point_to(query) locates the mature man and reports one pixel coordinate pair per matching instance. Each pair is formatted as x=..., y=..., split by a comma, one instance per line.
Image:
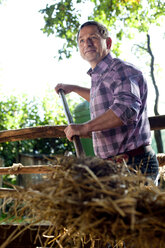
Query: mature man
x=118, y=95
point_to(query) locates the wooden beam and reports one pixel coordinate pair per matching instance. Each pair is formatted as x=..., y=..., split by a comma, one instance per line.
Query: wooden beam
x=32, y=133
x=157, y=122
x=7, y=192
x=32, y=169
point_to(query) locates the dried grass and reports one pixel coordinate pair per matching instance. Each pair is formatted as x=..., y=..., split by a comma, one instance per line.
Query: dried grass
x=90, y=202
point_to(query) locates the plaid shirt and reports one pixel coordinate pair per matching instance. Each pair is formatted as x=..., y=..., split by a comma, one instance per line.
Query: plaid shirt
x=119, y=86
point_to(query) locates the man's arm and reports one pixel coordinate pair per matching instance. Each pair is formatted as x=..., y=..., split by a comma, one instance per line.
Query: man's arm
x=105, y=121
x=68, y=88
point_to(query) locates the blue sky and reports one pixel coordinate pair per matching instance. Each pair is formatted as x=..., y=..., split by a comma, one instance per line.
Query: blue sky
x=27, y=62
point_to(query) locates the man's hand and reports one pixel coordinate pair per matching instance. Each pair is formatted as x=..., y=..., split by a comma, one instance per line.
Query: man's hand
x=76, y=129
x=105, y=121
x=67, y=88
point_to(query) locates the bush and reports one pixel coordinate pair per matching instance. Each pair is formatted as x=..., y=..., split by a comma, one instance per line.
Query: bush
x=20, y=111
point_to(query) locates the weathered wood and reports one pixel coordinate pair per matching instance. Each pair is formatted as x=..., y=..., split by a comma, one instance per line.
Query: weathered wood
x=157, y=122
x=32, y=133
x=32, y=169
x=7, y=192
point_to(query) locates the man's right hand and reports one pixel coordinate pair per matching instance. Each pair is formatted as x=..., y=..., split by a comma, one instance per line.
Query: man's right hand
x=67, y=88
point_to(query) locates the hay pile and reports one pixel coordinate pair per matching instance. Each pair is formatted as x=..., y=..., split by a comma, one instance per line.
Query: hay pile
x=91, y=202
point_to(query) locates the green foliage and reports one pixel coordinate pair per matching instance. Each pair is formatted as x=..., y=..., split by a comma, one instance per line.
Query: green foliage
x=62, y=19
x=21, y=112
x=122, y=17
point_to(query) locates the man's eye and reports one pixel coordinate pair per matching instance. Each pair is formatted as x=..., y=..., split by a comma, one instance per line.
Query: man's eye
x=93, y=37
x=81, y=41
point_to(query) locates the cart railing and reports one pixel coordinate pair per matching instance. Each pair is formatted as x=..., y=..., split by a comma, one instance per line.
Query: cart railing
x=156, y=123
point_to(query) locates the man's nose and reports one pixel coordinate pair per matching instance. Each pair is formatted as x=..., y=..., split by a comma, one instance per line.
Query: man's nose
x=89, y=42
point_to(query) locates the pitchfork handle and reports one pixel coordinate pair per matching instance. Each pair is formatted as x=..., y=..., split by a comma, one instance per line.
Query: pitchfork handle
x=76, y=139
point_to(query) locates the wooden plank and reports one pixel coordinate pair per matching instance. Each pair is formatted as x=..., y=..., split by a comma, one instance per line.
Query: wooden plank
x=7, y=192
x=32, y=169
x=157, y=122
x=32, y=133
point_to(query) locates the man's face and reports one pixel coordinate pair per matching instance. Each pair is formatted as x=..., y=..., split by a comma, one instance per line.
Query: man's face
x=92, y=46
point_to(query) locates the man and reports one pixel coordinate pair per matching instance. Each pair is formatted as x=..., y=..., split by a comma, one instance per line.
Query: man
x=118, y=95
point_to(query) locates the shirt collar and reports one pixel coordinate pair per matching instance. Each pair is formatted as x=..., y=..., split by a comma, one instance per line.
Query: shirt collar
x=101, y=66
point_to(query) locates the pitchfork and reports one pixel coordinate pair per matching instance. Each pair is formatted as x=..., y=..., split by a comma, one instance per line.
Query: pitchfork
x=76, y=140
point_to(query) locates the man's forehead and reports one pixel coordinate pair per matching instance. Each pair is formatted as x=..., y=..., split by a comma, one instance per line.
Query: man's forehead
x=88, y=30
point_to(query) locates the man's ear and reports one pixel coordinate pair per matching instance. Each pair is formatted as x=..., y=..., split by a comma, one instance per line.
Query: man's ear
x=109, y=42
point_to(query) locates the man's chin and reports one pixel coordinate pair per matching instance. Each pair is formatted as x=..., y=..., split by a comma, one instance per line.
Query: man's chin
x=91, y=57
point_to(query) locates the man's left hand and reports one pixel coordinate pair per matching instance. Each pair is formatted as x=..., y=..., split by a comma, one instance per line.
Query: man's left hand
x=75, y=129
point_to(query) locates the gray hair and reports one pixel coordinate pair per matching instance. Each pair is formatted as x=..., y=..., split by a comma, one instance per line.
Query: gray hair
x=103, y=31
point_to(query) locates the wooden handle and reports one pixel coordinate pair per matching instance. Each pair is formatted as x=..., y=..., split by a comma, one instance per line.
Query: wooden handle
x=65, y=106
x=76, y=140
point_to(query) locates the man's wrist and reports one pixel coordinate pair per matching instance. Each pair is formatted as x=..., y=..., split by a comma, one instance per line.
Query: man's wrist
x=88, y=127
